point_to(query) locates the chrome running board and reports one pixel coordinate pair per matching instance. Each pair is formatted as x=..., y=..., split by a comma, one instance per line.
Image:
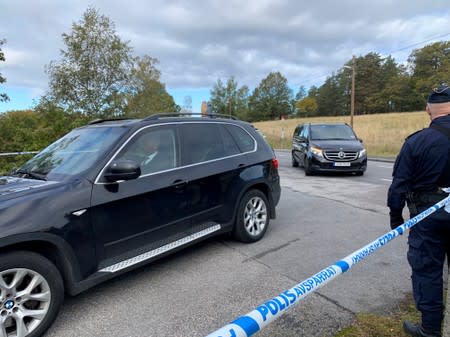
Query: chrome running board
x=160, y=250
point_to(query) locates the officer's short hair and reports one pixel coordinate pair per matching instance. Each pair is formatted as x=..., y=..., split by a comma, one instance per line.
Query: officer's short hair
x=440, y=94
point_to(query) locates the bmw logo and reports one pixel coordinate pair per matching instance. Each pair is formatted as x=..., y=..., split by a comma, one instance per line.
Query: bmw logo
x=9, y=304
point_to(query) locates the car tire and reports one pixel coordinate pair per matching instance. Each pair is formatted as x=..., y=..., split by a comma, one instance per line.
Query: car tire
x=30, y=283
x=252, y=217
x=294, y=162
x=307, y=167
x=359, y=173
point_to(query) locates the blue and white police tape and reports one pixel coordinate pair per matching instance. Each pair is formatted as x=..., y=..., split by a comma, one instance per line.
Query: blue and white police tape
x=6, y=154
x=267, y=312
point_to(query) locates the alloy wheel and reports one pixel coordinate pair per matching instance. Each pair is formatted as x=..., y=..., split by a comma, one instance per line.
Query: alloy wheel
x=255, y=216
x=24, y=301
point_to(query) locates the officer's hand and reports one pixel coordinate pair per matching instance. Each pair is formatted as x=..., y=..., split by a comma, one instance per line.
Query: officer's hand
x=396, y=218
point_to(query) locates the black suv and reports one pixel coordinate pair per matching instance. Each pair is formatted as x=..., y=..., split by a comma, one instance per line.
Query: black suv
x=328, y=147
x=116, y=194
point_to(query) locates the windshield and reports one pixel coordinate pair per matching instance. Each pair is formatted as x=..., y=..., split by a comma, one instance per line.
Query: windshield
x=331, y=132
x=71, y=154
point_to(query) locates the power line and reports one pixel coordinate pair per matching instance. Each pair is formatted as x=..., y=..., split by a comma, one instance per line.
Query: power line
x=316, y=77
x=418, y=43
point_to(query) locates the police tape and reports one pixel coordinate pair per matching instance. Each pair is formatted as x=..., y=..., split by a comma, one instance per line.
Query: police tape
x=267, y=312
x=8, y=154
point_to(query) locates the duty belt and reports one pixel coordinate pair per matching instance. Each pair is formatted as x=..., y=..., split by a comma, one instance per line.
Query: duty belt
x=426, y=198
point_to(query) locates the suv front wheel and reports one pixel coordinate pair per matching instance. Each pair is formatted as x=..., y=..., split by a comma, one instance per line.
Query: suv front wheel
x=31, y=293
x=252, y=217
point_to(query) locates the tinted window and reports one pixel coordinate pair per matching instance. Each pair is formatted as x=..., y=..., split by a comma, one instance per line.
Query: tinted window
x=305, y=132
x=202, y=142
x=230, y=145
x=153, y=148
x=245, y=142
x=298, y=131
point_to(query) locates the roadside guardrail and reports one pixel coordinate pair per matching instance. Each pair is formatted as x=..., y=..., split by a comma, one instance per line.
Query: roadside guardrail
x=255, y=320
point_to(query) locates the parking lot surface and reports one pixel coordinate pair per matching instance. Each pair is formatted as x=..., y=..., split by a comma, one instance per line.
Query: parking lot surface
x=194, y=292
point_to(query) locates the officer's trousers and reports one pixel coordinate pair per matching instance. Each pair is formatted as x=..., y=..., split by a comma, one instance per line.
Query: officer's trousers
x=429, y=242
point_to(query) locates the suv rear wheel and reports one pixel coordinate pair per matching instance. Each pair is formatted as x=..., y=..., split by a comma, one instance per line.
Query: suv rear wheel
x=31, y=293
x=252, y=217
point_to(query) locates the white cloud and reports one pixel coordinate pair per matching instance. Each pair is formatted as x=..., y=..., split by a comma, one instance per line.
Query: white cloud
x=199, y=41
x=16, y=58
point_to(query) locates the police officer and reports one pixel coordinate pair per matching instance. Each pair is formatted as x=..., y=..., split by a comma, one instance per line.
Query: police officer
x=421, y=169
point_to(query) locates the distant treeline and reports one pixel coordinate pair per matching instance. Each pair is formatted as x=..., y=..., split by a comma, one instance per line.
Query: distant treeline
x=381, y=85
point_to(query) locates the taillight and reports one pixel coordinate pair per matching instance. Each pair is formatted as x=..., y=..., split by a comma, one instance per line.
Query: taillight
x=275, y=163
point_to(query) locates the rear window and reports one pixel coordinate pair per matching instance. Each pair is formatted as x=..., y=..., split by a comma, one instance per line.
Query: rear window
x=202, y=142
x=245, y=142
x=208, y=141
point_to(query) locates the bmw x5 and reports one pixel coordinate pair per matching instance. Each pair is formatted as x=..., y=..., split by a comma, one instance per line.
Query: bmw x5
x=96, y=203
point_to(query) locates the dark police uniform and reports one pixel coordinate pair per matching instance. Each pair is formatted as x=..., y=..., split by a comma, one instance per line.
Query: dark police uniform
x=421, y=168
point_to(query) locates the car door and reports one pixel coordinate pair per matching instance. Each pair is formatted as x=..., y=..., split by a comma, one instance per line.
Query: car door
x=214, y=161
x=298, y=144
x=139, y=215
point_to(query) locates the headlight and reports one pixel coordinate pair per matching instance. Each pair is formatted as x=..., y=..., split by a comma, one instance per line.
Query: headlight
x=316, y=151
x=362, y=153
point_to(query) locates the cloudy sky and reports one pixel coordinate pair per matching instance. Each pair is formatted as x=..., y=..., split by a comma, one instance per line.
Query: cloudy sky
x=199, y=41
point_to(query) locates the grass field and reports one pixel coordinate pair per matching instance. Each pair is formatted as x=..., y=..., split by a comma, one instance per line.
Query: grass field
x=382, y=134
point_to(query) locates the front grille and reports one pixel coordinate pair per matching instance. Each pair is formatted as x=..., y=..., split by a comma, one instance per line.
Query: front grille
x=340, y=155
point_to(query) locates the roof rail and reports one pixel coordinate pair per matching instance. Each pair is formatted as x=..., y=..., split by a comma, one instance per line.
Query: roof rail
x=187, y=114
x=99, y=120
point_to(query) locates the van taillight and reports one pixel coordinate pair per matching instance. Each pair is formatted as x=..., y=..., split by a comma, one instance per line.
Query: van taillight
x=275, y=163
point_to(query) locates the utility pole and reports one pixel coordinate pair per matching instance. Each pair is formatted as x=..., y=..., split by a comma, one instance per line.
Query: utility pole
x=352, y=104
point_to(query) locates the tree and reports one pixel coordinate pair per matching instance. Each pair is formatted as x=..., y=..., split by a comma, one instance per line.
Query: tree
x=147, y=94
x=92, y=77
x=272, y=99
x=328, y=95
x=3, y=97
x=313, y=92
x=430, y=67
x=306, y=107
x=375, y=77
x=301, y=93
x=229, y=99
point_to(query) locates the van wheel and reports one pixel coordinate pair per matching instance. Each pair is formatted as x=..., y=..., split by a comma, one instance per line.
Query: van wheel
x=31, y=294
x=294, y=162
x=307, y=168
x=252, y=217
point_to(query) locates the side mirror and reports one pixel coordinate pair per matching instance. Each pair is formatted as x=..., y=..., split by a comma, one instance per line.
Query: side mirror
x=360, y=140
x=122, y=170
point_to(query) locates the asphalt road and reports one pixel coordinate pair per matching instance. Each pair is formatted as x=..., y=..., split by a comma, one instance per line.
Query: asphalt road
x=321, y=219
